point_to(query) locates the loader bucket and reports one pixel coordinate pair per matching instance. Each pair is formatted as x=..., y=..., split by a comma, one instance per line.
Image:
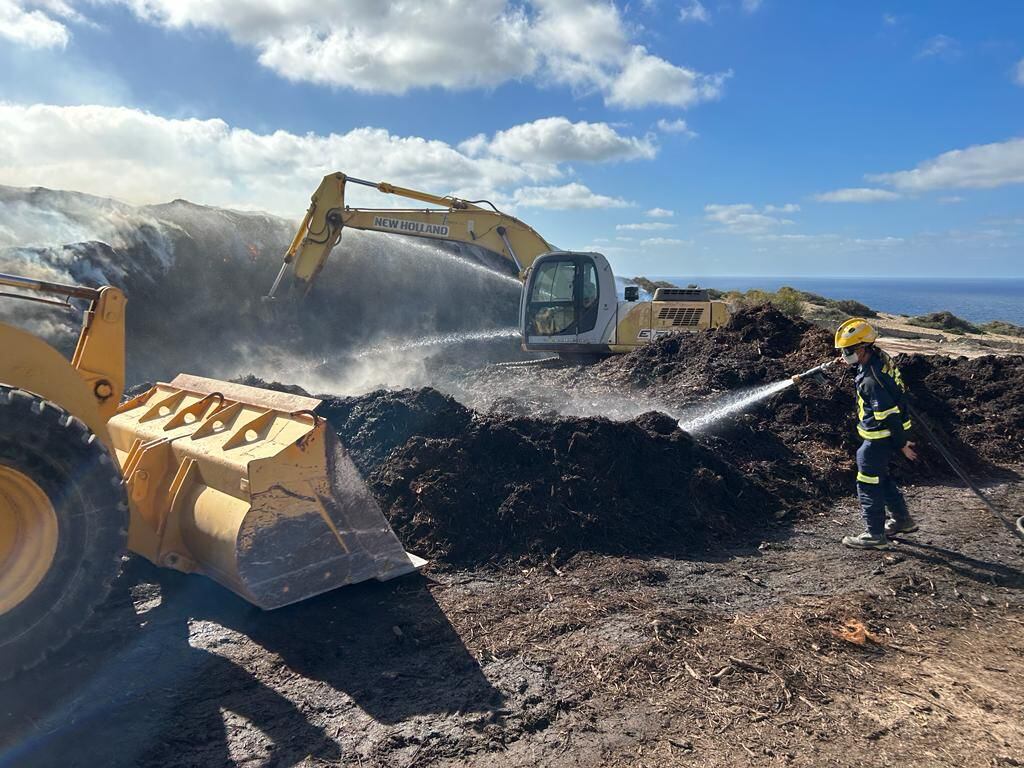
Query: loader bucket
x=251, y=488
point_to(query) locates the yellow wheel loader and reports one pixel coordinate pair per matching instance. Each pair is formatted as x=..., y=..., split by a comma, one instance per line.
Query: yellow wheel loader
x=570, y=303
x=246, y=486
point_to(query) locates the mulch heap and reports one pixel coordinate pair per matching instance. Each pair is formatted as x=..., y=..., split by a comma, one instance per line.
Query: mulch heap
x=757, y=345
x=531, y=489
x=468, y=488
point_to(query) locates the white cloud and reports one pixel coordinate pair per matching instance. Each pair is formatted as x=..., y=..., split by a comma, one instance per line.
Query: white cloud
x=695, y=11
x=951, y=199
x=940, y=47
x=751, y=6
x=381, y=47
x=857, y=195
x=660, y=213
x=25, y=23
x=647, y=226
x=655, y=242
x=979, y=166
x=647, y=79
x=567, y=196
x=675, y=126
x=556, y=140
x=1018, y=73
x=889, y=19
x=745, y=219
x=144, y=158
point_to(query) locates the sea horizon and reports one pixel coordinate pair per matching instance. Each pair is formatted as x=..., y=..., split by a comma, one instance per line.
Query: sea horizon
x=977, y=299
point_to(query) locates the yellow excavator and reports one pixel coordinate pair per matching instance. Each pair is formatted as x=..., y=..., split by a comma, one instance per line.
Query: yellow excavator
x=570, y=303
x=246, y=486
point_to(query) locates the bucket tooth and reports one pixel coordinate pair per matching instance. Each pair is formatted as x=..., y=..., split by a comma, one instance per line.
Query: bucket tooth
x=251, y=488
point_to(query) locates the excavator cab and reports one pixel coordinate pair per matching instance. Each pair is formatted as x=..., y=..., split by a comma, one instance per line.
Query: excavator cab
x=569, y=300
x=571, y=306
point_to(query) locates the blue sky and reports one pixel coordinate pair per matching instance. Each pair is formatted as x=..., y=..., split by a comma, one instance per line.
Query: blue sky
x=785, y=137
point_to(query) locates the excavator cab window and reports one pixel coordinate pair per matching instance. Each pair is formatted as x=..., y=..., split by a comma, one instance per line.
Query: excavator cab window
x=588, y=298
x=552, y=308
x=563, y=297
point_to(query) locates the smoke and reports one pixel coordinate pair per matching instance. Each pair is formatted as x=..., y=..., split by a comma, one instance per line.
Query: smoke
x=195, y=277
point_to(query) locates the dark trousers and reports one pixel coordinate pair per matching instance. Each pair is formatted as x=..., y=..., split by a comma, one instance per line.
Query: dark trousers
x=875, y=487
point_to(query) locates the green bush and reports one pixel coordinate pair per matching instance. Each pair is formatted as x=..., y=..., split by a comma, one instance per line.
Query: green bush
x=854, y=308
x=1001, y=326
x=787, y=300
x=944, y=321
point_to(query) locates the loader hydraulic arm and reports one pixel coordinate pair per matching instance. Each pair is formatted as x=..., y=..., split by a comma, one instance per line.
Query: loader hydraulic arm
x=511, y=240
x=99, y=355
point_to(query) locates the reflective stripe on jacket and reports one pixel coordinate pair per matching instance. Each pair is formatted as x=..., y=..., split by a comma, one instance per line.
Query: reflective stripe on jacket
x=881, y=400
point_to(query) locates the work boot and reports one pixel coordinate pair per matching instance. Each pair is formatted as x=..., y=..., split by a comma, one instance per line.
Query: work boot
x=903, y=525
x=866, y=541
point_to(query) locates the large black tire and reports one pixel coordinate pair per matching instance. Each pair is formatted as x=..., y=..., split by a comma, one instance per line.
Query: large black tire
x=82, y=482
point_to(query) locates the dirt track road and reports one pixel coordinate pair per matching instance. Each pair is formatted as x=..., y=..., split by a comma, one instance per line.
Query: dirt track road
x=728, y=658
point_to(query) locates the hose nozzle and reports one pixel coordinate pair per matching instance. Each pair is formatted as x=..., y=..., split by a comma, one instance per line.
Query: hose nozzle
x=815, y=372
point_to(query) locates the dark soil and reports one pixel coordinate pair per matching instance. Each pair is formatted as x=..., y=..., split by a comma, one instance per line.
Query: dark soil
x=520, y=487
x=371, y=426
x=979, y=401
x=758, y=345
x=747, y=655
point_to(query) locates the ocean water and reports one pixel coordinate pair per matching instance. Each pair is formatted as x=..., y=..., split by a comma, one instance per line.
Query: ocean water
x=976, y=299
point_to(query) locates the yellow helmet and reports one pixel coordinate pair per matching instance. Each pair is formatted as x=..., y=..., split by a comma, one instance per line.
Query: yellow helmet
x=853, y=332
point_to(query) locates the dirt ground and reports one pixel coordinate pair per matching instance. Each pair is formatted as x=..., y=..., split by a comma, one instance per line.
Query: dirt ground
x=784, y=649
x=602, y=591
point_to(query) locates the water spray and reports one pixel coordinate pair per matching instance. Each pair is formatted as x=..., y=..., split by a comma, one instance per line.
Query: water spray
x=700, y=418
x=439, y=340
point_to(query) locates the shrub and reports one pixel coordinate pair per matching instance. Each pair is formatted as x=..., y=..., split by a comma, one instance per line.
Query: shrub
x=944, y=321
x=854, y=308
x=1003, y=327
x=787, y=300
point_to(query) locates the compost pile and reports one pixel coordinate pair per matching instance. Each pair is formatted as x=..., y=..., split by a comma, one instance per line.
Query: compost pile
x=535, y=489
x=468, y=487
x=977, y=402
x=756, y=346
x=372, y=425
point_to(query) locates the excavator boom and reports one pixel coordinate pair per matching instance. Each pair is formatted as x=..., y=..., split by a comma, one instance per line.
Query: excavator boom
x=513, y=243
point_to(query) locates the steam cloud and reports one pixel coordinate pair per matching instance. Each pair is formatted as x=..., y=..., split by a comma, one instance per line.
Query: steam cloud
x=195, y=277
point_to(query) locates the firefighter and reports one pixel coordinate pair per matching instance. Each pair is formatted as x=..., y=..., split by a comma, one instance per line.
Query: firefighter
x=884, y=424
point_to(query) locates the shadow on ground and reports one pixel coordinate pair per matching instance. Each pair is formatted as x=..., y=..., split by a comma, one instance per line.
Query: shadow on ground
x=160, y=687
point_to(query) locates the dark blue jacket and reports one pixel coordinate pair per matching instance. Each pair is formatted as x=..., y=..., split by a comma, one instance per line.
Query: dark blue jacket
x=882, y=401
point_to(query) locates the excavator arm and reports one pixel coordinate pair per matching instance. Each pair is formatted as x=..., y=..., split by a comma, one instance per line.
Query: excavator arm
x=512, y=241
